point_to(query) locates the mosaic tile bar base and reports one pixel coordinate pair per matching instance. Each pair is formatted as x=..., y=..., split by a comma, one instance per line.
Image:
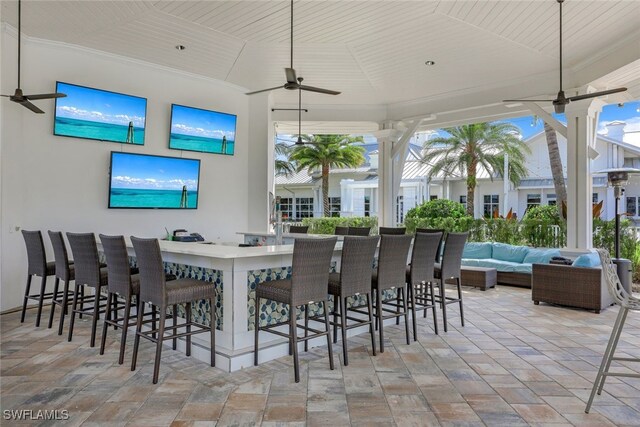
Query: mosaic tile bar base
x=271, y=312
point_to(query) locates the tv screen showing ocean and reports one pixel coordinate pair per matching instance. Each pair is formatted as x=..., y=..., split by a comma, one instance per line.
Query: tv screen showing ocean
x=65, y=126
x=202, y=144
x=143, y=198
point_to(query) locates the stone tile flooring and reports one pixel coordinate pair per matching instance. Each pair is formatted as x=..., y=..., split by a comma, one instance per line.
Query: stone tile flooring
x=512, y=364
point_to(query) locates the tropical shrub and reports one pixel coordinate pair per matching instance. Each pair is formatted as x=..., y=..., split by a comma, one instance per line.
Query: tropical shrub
x=543, y=213
x=438, y=208
x=327, y=225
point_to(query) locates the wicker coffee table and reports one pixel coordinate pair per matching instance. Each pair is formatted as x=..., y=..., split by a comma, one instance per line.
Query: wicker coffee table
x=480, y=277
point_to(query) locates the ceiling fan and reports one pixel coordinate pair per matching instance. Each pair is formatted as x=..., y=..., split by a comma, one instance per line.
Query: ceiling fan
x=18, y=97
x=561, y=100
x=293, y=82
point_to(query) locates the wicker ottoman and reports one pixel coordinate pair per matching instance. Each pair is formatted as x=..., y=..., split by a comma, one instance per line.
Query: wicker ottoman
x=480, y=277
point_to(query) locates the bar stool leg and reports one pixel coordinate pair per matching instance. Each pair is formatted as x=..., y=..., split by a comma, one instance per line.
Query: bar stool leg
x=64, y=307
x=371, y=321
x=96, y=315
x=343, y=324
x=412, y=299
x=74, y=307
x=175, y=323
x=212, y=326
x=398, y=304
x=125, y=328
x=443, y=303
x=156, y=365
x=406, y=313
x=325, y=306
x=187, y=310
x=335, y=318
x=460, y=302
x=56, y=285
x=293, y=331
x=433, y=307
x=306, y=327
x=43, y=287
x=256, y=330
x=607, y=356
x=136, y=341
x=26, y=298
x=380, y=322
x=105, y=325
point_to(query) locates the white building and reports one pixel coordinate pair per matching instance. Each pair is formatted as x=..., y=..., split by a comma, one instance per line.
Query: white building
x=354, y=192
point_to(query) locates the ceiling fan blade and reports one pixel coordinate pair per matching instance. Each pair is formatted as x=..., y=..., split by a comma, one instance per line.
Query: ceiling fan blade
x=595, y=94
x=319, y=90
x=263, y=90
x=6, y=96
x=291, y=75
x=528, y=100
x=46, y=96
x=30, y=106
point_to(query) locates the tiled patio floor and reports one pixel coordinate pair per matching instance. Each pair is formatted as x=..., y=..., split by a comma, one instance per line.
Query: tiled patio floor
x=513, y=364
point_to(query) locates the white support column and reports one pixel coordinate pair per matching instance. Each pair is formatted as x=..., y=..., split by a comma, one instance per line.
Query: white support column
x=386, y=201
x=346, y=197
x=505, y=186
x=261, y=161
x=582, y=123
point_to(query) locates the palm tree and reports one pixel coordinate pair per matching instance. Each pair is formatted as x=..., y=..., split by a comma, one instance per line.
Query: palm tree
x=326, y=152
x=556, y=168
x=283, y=165
x=477, y=145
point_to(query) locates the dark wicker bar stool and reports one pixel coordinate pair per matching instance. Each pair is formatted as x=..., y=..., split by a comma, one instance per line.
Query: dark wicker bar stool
x=155, y=290
x=391, y=230
x=309, y=284
x=359, y=231
x=420, y=276
x=37, y=266
x=65, y=271
x=87, y=272
x=391, y=274
x=450, y=271
x=353, y=280
x=443, y=234
x=124, y=285
x=341, y=231
x=302, y=229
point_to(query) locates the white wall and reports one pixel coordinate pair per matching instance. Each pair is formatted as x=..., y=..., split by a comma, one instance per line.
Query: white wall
x=52, y=182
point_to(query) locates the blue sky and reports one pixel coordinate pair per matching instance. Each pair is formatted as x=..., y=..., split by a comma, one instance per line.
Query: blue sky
x=203, y=123
x=153, y=173
x=99, y=106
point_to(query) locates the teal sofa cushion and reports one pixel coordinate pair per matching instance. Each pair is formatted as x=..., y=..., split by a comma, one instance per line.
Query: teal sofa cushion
x=477, y=250
x=471, y=262
x=540, y=256
x=505, y=252
x=587, y=260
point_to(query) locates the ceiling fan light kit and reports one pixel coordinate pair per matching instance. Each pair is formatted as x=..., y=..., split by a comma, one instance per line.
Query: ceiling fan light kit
x=18, y=97
x=562, y=100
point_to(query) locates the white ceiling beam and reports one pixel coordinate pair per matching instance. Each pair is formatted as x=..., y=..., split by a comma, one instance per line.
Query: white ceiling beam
x=540, y=112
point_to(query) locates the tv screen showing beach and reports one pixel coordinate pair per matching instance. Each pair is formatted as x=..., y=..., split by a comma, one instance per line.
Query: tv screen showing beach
x=99, y=114
x=153, y=182
x=205, y=131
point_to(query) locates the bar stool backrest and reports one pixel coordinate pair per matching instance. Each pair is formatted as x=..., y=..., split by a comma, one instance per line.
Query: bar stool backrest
x=392, y=260
x=425, y=246
x=452, y=257
x=304, y=229
x=356, y=264
x=85, y=258
x=36, y=256
x=359, y=231
x=442, y=232
x=152, y=277
x=616, y=290
x=341, y=231
x=310, y=269
x=63, y=271
x=115, y=251
x=392, y=230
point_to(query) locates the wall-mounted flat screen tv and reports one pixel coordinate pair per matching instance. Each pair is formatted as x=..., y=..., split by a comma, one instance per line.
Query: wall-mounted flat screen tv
x=194, y=129
x=99, y=114
x=140, y=181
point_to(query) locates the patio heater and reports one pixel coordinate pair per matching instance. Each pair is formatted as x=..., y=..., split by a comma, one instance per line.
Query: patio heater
x=618, y=178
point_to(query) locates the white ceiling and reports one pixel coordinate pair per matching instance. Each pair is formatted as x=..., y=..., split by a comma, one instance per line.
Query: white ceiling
x=372, y=51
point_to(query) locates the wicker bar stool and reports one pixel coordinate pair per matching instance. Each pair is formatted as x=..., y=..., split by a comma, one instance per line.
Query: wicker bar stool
x=302, y=229
x=420, y=276
x=309, y=284
x=65, y=271
x=124, y=285
x=443, y=234
x=341, y=231
x=87, y=272
x=450, y=271
x=391, y=230
x=391, y=274
x=626, y=302
x=353, y=280
x=359, y=231
x=155, y=290
x=37, y=266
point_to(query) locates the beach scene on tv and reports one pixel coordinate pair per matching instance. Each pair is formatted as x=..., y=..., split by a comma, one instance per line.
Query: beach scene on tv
x=206, y=131
x=141, y=181
x=98, y=114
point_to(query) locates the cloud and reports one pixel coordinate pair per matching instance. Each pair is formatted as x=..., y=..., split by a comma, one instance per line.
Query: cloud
x=97, y=116
x=205, y=133
x=123, y=181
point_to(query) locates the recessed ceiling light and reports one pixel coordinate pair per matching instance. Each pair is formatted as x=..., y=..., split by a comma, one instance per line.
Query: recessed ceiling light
x=430, y=63
x=181, y=47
